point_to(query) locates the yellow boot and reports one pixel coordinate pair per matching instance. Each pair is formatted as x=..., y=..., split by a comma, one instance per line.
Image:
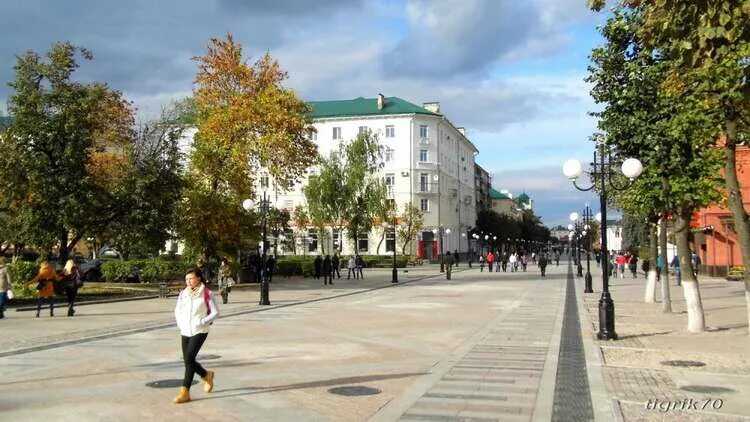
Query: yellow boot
x=183, y=397
x=208, y=381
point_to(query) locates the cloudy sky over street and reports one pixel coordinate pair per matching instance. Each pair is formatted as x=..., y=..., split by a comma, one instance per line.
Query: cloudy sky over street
x=510, y=71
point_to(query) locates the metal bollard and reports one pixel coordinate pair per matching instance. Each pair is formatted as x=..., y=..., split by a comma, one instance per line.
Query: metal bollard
x=163, y=290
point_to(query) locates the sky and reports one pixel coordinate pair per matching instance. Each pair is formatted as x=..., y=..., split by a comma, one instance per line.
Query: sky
x=510, y=71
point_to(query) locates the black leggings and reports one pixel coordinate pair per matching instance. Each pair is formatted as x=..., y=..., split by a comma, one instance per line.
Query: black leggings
x=50, y=300
x=71, y=293
x=190, y=348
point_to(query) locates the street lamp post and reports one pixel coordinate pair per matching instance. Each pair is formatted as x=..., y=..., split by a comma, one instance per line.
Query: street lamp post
x=602, y=172
x=394, y=275
x=440, y=231
x=587, y=226
x=579, y=233
x=248, y=204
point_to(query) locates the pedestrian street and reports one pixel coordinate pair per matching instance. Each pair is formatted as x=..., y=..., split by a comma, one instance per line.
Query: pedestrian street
x=482, y=345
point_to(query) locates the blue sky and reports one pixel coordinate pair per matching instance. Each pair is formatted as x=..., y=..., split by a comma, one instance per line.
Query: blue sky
x=510, y=71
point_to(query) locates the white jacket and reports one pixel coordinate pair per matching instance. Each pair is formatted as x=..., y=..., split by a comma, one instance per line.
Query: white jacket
x=190, y=312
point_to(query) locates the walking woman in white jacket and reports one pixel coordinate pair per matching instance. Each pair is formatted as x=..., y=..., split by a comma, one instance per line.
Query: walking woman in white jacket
x=194, y=313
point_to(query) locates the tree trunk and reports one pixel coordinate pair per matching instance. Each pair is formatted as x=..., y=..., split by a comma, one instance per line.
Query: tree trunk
x=666, y=303
x=63, y=252
x=690, y=288
x=651, y=276
x=377, y=251
x=741, y=224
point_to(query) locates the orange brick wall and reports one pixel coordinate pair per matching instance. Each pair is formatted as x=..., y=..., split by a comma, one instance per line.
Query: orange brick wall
x=719, y=248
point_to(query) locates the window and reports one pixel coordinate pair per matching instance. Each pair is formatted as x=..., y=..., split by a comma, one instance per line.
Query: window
x=388, y=154
x=336, y=133
x=424, y=205
x=364, y=130
x=391, y=203
x=424, y=182
x=390, y=131
x=264, y=181
x=313, y=236
x=390, y=179
x=423, y=155
x=423, y=132
x=363, y=242
x=390, y=239
x=336, y=238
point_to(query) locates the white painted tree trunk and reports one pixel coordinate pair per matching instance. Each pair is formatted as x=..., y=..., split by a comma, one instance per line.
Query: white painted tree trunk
x=650, y=287
x=696, y=323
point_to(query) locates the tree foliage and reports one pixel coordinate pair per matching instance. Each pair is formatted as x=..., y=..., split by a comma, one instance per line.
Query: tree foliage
x=67, y=158
x=411, y=223
x=247, y=120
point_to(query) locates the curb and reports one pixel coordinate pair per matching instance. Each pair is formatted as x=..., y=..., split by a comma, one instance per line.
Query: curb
x=600, y=401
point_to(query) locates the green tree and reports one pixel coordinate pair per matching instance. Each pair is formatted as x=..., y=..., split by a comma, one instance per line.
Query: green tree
x=411, y=223
x=667, y=132
x=301, y=220
x=246, y=121
x=67, y=157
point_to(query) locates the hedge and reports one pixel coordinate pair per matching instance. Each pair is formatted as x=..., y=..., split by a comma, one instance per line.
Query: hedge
x=150, y=270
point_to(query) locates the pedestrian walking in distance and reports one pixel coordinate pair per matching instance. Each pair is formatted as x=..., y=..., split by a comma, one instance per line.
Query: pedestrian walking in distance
x=543, y=264
x=448, y=265
x=318, y=266
x=335, y=267
x=360, y=264
x=481, y=263
x=72, y=283
x=45, y=287
x=352, y=267
x=194, y=313
x=225, y=280
x=5, y=286
x=327, y=270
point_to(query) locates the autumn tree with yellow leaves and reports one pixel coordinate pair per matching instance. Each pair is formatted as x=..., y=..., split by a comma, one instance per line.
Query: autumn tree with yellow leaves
x=247, y=121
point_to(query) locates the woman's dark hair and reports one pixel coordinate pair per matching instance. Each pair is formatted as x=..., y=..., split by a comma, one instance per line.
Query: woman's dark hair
x=197, y=272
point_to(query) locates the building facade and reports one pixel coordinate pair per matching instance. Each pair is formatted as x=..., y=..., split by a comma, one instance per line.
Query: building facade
x=427, y=162
x=714, y=234
x=482, y=188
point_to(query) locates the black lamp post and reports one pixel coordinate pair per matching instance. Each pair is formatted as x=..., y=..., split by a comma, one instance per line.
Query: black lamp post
x=439, y=231
x=579, y=233
x=602, y=172
x=587, y=230
x=248, y=204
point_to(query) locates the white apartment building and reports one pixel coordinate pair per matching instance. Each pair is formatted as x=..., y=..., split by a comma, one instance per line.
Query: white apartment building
x=427, y=161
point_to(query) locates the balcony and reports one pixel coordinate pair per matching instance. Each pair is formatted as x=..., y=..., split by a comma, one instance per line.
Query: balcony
x=426, y=164
x=428, y=188
x=424, y=141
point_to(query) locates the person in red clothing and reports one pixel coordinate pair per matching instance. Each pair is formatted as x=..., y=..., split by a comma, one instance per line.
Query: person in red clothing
x=620, y=261
x=490, y=260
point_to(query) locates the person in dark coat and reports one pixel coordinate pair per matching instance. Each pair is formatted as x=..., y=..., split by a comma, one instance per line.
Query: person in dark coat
x=448, y=265
x=360, y=264
x=543, y=264
x=318, y=266
x=557, y=259
x=327, y=270
x=335, y=266
x=455, y=257
x=270, y=267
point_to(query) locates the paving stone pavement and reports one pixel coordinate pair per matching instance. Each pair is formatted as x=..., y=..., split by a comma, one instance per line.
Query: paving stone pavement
x=499, y=378
x=633, y=368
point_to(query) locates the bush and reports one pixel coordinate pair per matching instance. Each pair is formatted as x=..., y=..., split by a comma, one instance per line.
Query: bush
x=20, y=272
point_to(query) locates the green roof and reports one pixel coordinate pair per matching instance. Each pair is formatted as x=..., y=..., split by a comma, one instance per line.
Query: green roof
x=365, y=107
x=523, y=198
x=497, y=195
